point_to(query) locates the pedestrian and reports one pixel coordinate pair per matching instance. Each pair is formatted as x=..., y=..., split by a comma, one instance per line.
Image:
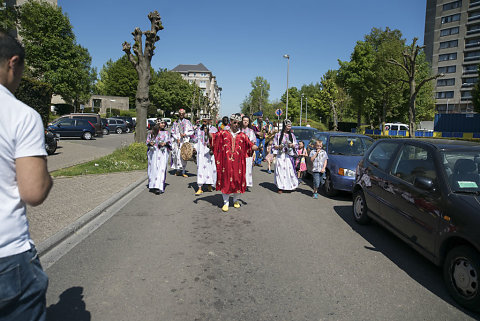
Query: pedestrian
x=319, y=159
x=231, y=149
x=300, y=162
x=260, y=128
x=285, y=144
x=158, y=142
x=206, y=169
x=248, y=130
x=269, y=156
x=224, y=124
x=181, y=131
x=24, y=181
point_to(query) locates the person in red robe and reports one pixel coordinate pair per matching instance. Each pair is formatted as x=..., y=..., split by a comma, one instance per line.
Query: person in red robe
x=231, y=148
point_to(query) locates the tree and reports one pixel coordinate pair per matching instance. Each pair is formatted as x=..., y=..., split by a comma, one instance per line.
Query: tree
x=410, y=66
x=142, y=61
x=8, y=17
x=52, y=54
x=258, y=97
x=476, y=95
x=118, y=78
x=330, y=94
x=169, y=91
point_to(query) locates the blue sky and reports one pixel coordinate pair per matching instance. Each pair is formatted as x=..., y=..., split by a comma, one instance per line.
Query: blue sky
x=239, y=40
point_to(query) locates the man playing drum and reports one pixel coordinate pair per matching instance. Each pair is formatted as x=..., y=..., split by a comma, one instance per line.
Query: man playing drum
x=181, y=131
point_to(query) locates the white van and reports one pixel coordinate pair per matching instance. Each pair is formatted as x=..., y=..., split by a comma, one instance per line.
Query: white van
x=168, y=121
x=396, y=126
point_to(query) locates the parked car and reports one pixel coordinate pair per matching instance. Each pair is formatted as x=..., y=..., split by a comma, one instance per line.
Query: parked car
x=128, y=121
x=94, y=119
x=344, y=151
x=105, y=128
x=396, y=126
x=303, y=133
x=73, y=127
x=150, y=123
x=427, y=192
x=117, y=125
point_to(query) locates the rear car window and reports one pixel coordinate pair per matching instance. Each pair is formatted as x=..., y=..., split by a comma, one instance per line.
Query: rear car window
x=381, y=154
x=414, y=161
x=346, y=145
x=462, y=169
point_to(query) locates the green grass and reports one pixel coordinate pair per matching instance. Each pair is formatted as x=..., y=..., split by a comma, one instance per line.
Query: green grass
x=128, y=158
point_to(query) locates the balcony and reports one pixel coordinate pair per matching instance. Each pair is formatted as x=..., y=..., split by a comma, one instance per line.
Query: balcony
x=474, y=4
x=473, y=32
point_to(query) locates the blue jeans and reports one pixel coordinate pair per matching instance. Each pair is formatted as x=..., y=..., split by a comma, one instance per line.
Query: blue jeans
x=259, y=153
x=23, y=285
x=318, y=179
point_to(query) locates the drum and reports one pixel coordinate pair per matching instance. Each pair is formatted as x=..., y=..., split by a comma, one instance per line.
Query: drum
x=186, y=151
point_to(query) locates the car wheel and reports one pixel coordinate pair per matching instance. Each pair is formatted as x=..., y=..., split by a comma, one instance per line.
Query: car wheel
x=87, y=135
x=105, y=131
x=127, y=130
x=360, y=208
x=118, y=130
x=328, y=186
x=460, y=272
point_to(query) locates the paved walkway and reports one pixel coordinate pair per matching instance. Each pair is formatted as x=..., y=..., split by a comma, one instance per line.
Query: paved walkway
x=72, y=197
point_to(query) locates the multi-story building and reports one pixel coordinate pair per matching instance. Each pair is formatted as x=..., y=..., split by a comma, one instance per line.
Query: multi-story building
x=452, y=46
x=206, y=81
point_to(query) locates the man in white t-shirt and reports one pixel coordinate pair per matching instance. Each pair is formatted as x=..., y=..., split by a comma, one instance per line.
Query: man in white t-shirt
x=24, y=180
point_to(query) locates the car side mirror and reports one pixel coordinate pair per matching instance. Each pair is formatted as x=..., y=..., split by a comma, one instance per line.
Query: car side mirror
x=424, y=183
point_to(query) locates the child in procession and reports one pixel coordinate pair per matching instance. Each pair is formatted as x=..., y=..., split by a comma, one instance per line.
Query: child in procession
x=319, y=159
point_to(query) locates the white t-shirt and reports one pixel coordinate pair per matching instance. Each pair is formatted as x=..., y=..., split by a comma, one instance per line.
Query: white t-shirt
x=319, y=161
x=21, y=135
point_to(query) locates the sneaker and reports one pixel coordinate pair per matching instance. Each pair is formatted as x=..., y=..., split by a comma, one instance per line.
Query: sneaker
x=210, y=188
x=199, y=192
x=157, y=192
x=225, y=208
x=269, y=172
x=315, y=195
x=184, y=175
x=236, y=204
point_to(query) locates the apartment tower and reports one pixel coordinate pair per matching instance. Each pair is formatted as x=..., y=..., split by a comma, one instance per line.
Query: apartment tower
x=452, y=46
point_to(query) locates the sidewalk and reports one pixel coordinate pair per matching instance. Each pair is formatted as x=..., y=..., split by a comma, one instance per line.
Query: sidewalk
x=71, y=198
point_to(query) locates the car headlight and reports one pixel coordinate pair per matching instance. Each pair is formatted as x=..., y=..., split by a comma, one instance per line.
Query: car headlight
x=346, y=172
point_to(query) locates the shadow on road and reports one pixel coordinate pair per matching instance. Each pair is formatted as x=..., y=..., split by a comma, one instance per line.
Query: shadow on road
x=405, y=257
x=70, y=307
x=270, y=186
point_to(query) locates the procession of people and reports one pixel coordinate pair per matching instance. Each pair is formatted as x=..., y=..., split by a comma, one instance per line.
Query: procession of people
x=225, y=155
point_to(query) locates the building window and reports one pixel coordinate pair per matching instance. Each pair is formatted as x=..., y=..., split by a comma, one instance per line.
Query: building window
x=452, y=5
x=97, y=103
x=446, y=82
x=470, y=68
x=470, y=81
x=449, y=44
x=472, y=55
x=473, y=28
x=444, y=94
x=449, y=31
x=472, y=42
x=447, y=69
x=445, y=57
x=452, y=18
x=467, y=94
x=203, y=75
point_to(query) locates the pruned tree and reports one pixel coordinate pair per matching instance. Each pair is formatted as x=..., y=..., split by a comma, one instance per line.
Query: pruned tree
x=142, y=62
x=410, y=67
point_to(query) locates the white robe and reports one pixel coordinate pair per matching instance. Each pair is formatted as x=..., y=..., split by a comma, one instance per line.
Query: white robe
x=157, y=161
x=285, y=175
x=180, y=127
x=249, y=160
x=206, y=168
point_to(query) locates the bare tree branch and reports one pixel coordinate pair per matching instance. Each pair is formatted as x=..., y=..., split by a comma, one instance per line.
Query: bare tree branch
x=394, y=62
x=423, y=82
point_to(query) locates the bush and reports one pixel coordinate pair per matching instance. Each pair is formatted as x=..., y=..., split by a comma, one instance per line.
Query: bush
x=63, y=109
x=130, y=113
x=94, y=110
x=37, y=95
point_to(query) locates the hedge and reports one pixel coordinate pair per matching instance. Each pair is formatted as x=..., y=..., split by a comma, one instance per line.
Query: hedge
x=37, y=95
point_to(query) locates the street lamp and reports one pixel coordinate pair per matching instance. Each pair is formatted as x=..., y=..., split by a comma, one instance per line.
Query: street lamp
x=306, y=111
x=110, y=105
x=288, y=67
x=301, y=106
x=261, y=97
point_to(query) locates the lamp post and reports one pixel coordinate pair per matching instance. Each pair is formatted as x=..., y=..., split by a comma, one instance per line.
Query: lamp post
x=288, y=67
x=301, y=106
x=261, y=97
x=306, y=111
x=110, y=105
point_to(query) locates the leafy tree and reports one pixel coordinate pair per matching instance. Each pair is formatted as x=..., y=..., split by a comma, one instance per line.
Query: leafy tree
x=118, y=78
x=312, y=106
x=169, y=91
x=330, y=95
x=293, y=104
x=52, y=54
x=411, y=66
x=142, y=62
x=258, y=97
x=8, y=17
x=476, y=95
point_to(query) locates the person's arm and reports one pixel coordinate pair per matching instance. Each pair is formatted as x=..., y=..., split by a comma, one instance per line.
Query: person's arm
x=34, y=181
x=324, y=166
x=314, y=156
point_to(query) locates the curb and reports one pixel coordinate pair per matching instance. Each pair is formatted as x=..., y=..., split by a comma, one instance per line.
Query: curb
x=72, y=228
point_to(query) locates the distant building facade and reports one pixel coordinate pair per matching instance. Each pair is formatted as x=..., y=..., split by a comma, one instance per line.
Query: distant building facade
x=452, y=46
x=205, y=80
x=105, y=103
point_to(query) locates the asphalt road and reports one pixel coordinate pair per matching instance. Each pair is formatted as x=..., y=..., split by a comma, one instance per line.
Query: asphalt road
x=278, y=257
x=72, y=151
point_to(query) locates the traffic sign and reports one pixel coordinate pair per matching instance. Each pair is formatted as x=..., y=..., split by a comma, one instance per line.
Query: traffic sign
x=278, y=112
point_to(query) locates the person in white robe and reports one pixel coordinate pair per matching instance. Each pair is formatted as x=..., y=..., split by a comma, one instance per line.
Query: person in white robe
x=285, y=144
x=248, y=130
x=206, y=168
x=158, y=143
x=181, y=131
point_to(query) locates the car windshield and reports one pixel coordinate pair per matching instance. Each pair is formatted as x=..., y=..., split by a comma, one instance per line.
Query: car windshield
x=346, y=145
x=303, y=134
x=462, y=170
